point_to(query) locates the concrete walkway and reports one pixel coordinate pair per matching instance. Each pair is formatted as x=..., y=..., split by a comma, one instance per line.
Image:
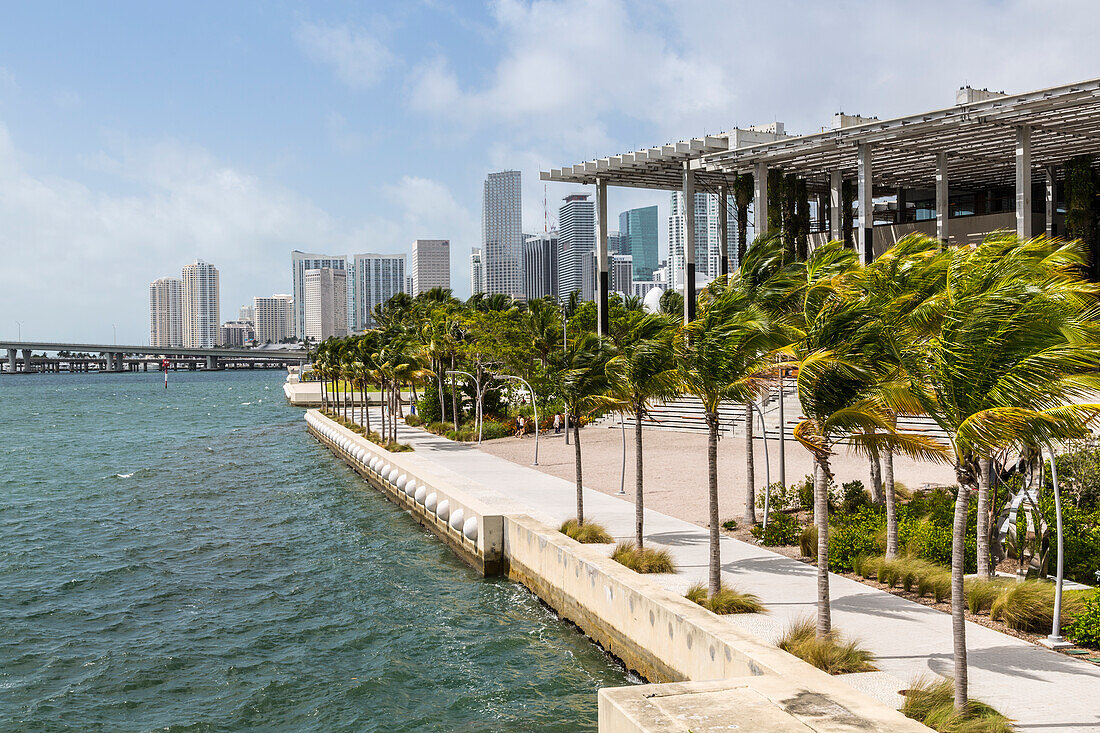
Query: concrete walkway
x=1040, y=689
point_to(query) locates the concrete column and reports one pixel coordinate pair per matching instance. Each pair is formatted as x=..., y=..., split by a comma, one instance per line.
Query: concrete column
x=27, y=366
x=1051, y=201
x=866, y=205
x=723, y=229
x=836, y=206
x=1023, y=182
x=943, y=207
x=601, y=256
x=901, y=205
x=760, y=198
x=689, y=244
x=211, y=362
x=11, y=361
x=120, y=362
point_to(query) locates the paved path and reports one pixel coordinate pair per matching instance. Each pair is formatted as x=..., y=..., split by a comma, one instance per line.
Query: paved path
x=1040, y=689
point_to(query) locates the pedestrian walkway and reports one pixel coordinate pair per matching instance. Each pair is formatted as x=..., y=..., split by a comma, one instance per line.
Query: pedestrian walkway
x=1040, y=689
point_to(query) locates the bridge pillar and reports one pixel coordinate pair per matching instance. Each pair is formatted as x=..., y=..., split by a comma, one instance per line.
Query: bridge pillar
x=11, y=361
x=27, y=366
x=211, y=362
x=109, y=361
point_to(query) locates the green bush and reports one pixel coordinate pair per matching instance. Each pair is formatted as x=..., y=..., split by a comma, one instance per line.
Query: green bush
x=830, y=653
x=856, y=534
x=725, y=601
x=440, y=428
x=729, y=524
x=933, y=703
x=491, y=430
x=779, y=497
x=853, y=497
x=414, y=421
x=782, y=529
x=1084, y=628
x=806, y=493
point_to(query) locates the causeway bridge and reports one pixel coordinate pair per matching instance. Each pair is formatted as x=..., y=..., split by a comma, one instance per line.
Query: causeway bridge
x=75, y=357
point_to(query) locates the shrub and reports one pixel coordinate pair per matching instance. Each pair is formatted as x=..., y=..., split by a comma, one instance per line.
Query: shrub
x=779, y=497
x=830, y=653
x=856, y=534
x=729, y=524
x=853, y=497
x=782, y=529
x=1085, y=626
x=982, y=592
x=589, y=533
x=440, y=428
x=806, y=493
x=1029, y=606
x=933, y=703
x=414, y=421
x=725, y=601
x=644, y=560
x=807, y=541
x=491, y=430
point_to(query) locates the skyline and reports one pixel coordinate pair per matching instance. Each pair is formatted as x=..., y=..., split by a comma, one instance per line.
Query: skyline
x=145, y=136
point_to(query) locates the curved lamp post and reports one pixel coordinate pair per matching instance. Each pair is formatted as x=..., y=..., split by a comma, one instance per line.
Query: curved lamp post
x=534, y=406
x=477, y=386
x=767, y=462
x=1055, y=640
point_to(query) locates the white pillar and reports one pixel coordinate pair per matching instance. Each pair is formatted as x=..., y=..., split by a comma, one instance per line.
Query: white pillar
x=723, y=229
x=601, y=256
x=1023, y=182
x=689, y=244
x=760, y=198
x=866, y=206
x=836, y=206
x=1051, y=200
x=943, y=210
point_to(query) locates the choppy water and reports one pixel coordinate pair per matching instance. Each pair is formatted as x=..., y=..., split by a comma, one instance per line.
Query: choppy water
x=190, y=560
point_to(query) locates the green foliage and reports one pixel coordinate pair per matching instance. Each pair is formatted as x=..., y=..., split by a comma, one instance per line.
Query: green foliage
x=1029, y=606
x=725, y=601
x=589, y=533
x=911, y=574
x=830, y=653
x=782, y=529
x=932, y=702
x=645, y=560
x=781, y=498
x=414, y=421
x=440, y=428
x=853, y=497
x=982, y=592
x=1084, y=628
x=855, y=534
x=807, y=541
x=729, y=524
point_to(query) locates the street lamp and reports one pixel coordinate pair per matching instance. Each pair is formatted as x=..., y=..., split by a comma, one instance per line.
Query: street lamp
x=1055, y=640
x=19, y=330
x=534, y=406
x=478, y=419
x=767, y=461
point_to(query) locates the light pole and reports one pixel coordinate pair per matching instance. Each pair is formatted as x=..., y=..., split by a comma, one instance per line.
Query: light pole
x=477, y=413
x=622, y=476
x=534, y=406
x=114, y=330
x=565, y=352
x=767, y=463
x=1055, y=640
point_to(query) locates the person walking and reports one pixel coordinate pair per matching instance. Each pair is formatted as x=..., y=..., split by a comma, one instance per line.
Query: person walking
x=557, y=423
x=520, y=426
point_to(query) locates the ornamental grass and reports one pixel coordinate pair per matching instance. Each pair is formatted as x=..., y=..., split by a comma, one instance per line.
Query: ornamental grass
x=932, y=702
x=591, y=533
x=644, y=560
x=830, y=653
x=725, y=601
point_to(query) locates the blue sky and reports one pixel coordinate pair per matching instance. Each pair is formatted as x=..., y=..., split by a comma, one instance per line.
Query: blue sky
x=136, y=136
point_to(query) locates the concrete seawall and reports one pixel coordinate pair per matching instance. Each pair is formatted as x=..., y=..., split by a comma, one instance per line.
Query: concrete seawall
x=719, y=674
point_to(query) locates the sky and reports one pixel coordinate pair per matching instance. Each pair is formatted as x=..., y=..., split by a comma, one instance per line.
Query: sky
x=136, y=137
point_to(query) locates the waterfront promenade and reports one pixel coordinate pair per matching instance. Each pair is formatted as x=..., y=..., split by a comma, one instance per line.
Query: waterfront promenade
x=1040, y=689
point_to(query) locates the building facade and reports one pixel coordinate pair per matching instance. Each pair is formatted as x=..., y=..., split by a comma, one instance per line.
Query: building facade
x=166, y=312
x=326, y=295
x=502, y=234
x=707, y=241
x=377, y=278
x=540, y=266
x=577, y=239
x=430, y=265
x=638, y=238
x=299, y=263
x=274, y=318
x=620, y=275
x=236, y=333
x=477, y=272
x=201, y=305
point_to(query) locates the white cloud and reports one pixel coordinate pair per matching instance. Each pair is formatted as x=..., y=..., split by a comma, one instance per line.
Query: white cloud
x=358, y=58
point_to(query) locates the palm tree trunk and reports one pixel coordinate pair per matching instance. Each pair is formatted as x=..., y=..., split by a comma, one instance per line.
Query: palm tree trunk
x=983, y=518
x=958, y=598
x=454, y=395
x=821, y=519
x=876, y=477
x=324, y=403
x=712, y=480
x=639, y=506
x=366, y=407
x=891, y=504
x=442, y=407
x=577, y=458
x=750, y=470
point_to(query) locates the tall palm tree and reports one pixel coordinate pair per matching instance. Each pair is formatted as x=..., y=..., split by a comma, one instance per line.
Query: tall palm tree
x=643, y=370
x=723, y=355
x=1011, y=344
x=583, y=387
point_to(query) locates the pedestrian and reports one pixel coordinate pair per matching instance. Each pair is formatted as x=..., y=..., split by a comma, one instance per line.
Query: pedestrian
x=557, y=423
x=520, y=426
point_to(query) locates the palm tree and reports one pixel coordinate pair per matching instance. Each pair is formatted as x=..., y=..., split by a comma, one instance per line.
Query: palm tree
x=583, y=388
x=643, y=370
x=1011, y=343
x=722, y=355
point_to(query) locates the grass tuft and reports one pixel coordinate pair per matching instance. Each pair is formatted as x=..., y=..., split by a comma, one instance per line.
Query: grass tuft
x=645, y=560
x=982, y=592
x=807, y=541
x=590, y=532
x=725, y=601
x=932, y=702
x=830, y=653
x=1029, y=606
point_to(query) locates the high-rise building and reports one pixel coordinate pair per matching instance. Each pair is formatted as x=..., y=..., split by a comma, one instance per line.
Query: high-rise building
x=274, y=318
x=378, y=277
x=620, y=276
x=502, y=233
x=430, y=265
x=326, y=294
x=247, y=313
x=707, y=250
x=201, y=305
x=165, y=312
x=540, y=265
x=577, y=239
x=236, y=333
x=638, y=238
x=616, y=244
x=477, y=272
x=299, y=263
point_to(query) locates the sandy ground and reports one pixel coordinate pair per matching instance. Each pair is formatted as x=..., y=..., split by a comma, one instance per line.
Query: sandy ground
x=676, y=467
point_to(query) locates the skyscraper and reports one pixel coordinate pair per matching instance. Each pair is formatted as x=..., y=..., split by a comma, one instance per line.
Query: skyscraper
x=274, y=318
x=326, y=294
x=477, y=272
x=540, y=265
x=430, y=265
x=502, y=233
x=621, y=275
x=299, y=263
x=378, y=277
x=638, y=227
x=165, y=312
x=201, y=306
x=247, y=313
x=707, y=251
x=577, y=239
